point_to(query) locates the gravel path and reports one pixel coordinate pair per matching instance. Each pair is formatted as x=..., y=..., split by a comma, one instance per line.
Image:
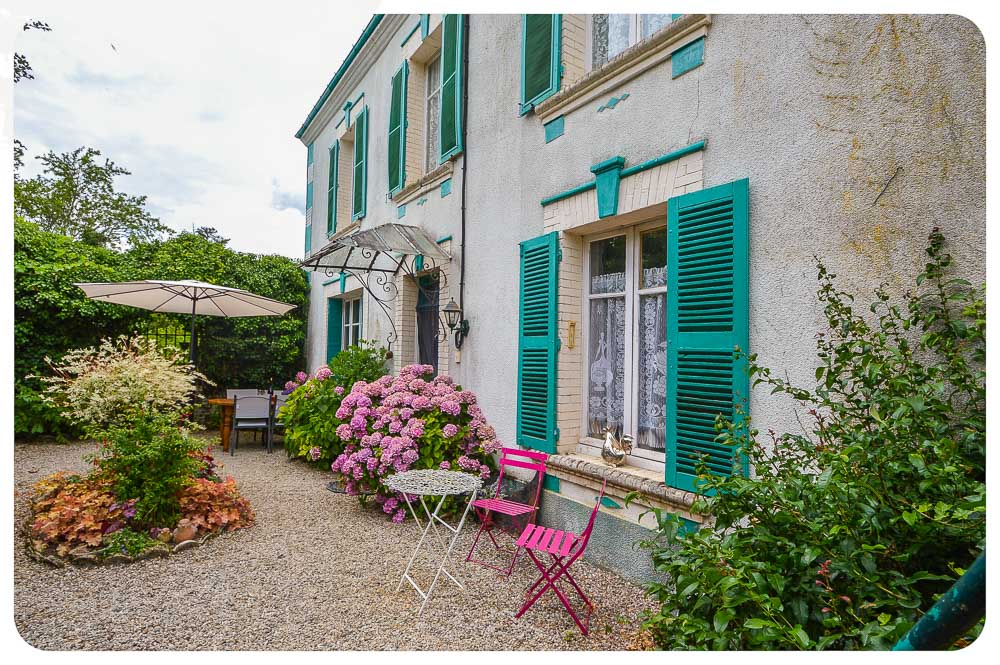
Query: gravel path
x=315, y=572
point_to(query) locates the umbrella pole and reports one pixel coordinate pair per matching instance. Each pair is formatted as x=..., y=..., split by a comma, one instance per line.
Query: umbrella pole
x=193, y=352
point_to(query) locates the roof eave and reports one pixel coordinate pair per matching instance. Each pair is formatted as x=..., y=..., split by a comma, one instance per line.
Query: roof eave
x=341, y=71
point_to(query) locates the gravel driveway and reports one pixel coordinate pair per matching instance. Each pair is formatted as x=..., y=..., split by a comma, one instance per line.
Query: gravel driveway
x=315, y=572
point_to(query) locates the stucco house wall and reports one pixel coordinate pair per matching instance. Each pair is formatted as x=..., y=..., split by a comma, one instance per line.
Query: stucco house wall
x=858, y=134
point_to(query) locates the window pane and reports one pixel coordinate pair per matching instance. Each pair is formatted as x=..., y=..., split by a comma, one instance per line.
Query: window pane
x=606, y=362
x=607, y=265
x=618, y=33
x=654, y=258
x=652, y=372
x=598, y=40
x=433, y=114
x=650, y=23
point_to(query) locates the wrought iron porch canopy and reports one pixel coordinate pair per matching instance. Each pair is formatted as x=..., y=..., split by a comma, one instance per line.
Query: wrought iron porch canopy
x=376, y=256
x=384, y=249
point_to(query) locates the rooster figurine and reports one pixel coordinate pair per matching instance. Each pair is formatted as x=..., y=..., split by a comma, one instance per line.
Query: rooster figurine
x=616, y=447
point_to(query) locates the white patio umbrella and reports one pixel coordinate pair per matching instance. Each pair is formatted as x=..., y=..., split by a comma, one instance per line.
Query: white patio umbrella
x=185, y=296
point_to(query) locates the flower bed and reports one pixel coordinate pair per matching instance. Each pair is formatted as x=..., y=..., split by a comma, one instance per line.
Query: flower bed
x=80, y=519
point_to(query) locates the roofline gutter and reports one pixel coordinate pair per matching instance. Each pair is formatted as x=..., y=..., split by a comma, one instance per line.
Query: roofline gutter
x=358, y=45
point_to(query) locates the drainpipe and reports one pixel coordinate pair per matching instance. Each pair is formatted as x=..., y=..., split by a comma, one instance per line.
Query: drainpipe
x=465, y=154
x=952, y=615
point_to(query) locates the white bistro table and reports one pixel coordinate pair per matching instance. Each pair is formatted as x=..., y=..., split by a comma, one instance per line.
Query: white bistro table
x=426, y=483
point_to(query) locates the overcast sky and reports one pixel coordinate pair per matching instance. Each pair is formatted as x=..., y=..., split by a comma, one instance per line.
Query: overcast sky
x=199, y=100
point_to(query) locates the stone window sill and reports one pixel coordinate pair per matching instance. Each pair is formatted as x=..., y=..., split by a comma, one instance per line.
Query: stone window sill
x=425, y=184
x=591, y=471
x=624, y=67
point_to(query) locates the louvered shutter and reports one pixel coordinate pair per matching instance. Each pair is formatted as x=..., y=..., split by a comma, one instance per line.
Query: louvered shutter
x=707, y=319
x=538, y=344
x=450, y=125
x=334, y=326
x=331, y=191
x=540, y=58
x=397, y=129
x=360, y=164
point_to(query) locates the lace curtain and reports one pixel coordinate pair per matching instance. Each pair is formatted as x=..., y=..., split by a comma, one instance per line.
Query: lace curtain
x=606, y=383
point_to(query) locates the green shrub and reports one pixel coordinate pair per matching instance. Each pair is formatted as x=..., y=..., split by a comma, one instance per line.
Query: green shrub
x=151, y=460
x=105, y=386
x=846, y=534
x=309, y=415
x=126, y=541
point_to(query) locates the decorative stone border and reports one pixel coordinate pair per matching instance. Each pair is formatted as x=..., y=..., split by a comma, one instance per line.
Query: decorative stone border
x=85, y=558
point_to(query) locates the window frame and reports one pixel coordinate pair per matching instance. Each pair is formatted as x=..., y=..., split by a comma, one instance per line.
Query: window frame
x=431, y=156
x=350, y=318
x=633, y=264
x=634, y=37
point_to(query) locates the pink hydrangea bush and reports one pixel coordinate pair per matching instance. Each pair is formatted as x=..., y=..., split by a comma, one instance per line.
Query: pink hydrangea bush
x=410, y=421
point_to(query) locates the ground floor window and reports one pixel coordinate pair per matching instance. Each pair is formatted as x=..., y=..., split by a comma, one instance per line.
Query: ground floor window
x=625, y=290
x=351, y=322
x=427, y=319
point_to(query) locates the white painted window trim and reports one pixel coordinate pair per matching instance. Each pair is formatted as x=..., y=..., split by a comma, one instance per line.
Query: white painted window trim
x=633, y=234
x=351, y=322
x=634, y=37
x=430, y=89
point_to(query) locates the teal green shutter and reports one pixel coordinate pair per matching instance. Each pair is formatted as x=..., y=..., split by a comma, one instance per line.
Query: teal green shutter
x=360, y=164
x=308, y=239
x=707, y=319
x=334, y=326
x=397, y=130
x=452, y=37
x=331, y=192
x=538, y=344
x=540, y=58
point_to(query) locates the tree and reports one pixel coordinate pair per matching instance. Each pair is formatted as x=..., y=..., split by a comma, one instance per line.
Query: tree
x=75, y=196
x=22, y=70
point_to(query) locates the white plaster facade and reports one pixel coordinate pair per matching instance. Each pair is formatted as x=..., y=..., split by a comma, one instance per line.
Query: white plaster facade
x=858, y=134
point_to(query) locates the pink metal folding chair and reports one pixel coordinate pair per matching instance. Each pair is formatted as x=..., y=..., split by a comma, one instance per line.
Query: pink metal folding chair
x=521, y=514
x=559, y=545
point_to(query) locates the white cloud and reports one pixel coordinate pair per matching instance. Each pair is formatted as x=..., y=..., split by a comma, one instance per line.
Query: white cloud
x=200, y=100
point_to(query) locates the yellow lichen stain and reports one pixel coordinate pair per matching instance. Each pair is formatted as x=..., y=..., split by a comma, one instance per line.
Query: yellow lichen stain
x=738, y=78
x=855, y=153
x=878, y=234
x=847, y=200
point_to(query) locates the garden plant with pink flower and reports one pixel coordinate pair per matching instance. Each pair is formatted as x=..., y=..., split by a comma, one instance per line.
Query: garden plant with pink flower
x=409, y=421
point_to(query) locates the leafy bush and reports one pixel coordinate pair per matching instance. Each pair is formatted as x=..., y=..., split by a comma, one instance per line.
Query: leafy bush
x=151, y=461
x=211, y=506
x=847, y=534
x=52, y=316
x=70, y=511
x=127, y=541
x=410, y=421
x=107, y=386
x=309, y=415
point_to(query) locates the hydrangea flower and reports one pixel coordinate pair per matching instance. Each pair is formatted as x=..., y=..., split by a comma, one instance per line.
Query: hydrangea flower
x=314, y=453
x=301, y=377
x=323, y=373
x=384, y=425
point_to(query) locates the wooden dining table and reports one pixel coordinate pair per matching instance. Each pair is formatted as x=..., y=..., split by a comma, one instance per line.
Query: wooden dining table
x=226, y=422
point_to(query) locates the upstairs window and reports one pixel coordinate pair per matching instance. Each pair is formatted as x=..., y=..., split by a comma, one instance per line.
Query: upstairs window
x=432, y=105
x=610, y=34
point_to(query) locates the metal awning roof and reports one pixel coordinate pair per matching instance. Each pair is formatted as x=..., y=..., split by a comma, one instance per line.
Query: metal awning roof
x=383, y=248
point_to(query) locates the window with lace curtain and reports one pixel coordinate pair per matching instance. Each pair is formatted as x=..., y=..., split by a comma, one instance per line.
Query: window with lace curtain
x=610, y=34
x=625, y=288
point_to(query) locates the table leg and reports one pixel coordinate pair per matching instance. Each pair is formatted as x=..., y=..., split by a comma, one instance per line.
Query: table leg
x=225, y=426
x=444, y=559
x=445, y=548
